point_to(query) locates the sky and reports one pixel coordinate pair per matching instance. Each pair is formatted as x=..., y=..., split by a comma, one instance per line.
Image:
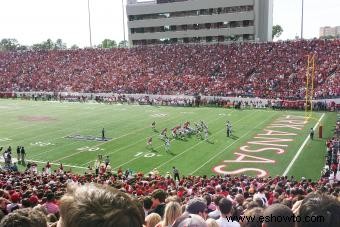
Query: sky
x=34, y=21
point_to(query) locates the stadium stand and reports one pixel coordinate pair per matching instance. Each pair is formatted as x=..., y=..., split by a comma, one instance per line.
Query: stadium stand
x=34, y=198
x=267, y=70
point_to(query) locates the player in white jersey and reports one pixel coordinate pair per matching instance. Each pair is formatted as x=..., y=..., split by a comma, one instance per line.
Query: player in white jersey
x=167, y=144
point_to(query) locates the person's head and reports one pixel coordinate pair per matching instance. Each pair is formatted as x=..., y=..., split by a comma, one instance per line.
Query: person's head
x=322, y=209
x=94, y=205
x=147, y=202
x=197, y=206
x=152, y=220
x=225, y=206
x=24, y=218
x=239, y=198
x=278, y=212
x=189, y=220
x=211, y=223
x=254, y=214
x=158, y=197
x=50, y=197
x=172, y=211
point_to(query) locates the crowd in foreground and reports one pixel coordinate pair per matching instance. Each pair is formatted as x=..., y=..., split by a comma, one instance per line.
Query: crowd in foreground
x=66, y=199
x=266, y=70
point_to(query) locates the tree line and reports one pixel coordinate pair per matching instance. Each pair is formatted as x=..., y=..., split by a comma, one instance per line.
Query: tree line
x=9, y=44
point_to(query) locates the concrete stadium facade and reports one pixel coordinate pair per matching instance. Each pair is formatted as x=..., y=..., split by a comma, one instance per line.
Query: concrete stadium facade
x=199, y=21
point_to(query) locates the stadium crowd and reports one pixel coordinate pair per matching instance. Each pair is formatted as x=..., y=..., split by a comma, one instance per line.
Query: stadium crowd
x=333, y=153
x=61, y=198
x=266, y=70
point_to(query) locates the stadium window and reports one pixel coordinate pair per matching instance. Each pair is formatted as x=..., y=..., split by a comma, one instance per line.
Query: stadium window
x=186, y=40
x=211, y=11
x=173, y=27
x=245, y=23
x=203, y=11
x=139, y=30
x=196, y=39
x=208, y=39
x=185, y=27
x=226, y=24
x=173, y=40
x=219, y=10
x=208, y=25
x=221, y=38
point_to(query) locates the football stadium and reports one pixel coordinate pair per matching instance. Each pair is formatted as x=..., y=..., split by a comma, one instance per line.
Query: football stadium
x=200, y=116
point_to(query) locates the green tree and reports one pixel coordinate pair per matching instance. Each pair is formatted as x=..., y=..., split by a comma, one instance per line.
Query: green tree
x=277, y=31
x=74, y=47
x=8, y=44
x=108, y=43
x=123, y=44
x=59, y=45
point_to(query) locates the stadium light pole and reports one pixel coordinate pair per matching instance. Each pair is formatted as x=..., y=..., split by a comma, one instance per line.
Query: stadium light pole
x=88, y=10
x=123, y=21
x=302, y=20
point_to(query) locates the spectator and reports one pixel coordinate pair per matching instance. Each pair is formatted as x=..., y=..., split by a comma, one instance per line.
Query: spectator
x=24, y=218
x=189, y=220
x=255, y=214
x=197, y=206
x=324, y=210
x=158, y=202
x=94, y=205
x=211, y=222
x=50, y=205
x=225, y=206
x=152, y=220
x=147, y=204
x=276, y=212
x=172, y=212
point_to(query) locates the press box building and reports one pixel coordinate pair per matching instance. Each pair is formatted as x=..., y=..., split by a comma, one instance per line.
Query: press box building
x=198, y=21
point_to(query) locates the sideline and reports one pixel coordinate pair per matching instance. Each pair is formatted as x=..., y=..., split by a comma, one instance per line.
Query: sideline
x=301, y=148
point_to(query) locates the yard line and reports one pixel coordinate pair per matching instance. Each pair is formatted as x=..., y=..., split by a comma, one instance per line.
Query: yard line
x=122, y=148
x=193, y=146
x=301, y=148
x=99, y=144
x=162, y=145
x=56, y=164
x=226, y=148
x=50, y=150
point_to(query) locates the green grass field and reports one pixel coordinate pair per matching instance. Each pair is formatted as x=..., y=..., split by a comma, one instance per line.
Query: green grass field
x=42, y=126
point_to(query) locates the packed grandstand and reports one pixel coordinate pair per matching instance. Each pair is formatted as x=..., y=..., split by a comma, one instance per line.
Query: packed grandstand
x=269, y=71
x=265, y=70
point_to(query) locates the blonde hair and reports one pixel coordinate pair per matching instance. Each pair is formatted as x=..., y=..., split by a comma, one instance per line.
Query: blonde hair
x=211, y=222
x=172, y=212
x=152, y=220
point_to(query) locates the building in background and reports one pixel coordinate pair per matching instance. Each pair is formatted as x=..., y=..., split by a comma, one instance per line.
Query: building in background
x=198, y=21
x=329, y=32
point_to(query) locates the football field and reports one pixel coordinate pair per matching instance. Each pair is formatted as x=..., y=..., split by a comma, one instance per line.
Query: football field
x=264, y=142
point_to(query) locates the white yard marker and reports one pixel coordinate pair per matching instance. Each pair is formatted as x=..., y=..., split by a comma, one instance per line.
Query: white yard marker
x=301, y=148
x=226, y=147
x=188, y=149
